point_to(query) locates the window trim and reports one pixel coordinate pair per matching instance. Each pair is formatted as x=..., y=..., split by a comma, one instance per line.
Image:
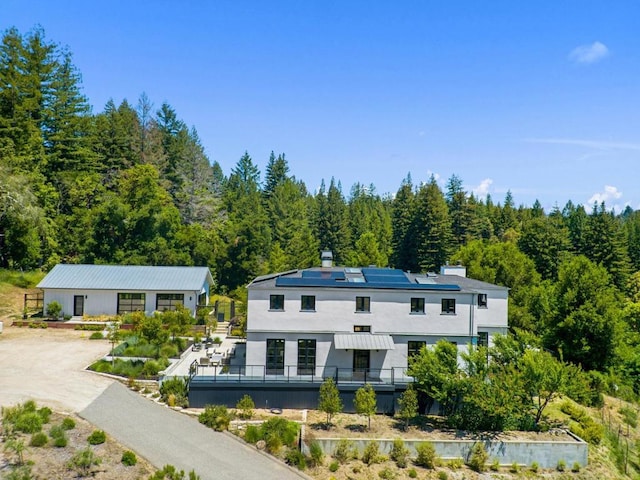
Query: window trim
x=446, y=307
x=420, y=304
x=272, y=302
x=304, y=307
x=363, y=304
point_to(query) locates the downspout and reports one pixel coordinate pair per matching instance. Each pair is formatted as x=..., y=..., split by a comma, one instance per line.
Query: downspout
x=471, y=318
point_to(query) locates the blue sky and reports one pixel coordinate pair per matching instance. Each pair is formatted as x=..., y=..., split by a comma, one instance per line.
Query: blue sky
x=541, y=98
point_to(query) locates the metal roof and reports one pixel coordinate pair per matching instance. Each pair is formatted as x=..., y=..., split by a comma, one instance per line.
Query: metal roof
x=126, y=277
x=363, y=341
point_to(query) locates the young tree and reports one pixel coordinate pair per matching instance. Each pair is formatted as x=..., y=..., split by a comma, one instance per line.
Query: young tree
x=365, y=402
x=408, y=405
x=329, y=400
x=113, y=335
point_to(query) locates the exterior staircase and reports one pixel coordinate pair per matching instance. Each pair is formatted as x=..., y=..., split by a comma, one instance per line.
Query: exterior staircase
x=221, y=329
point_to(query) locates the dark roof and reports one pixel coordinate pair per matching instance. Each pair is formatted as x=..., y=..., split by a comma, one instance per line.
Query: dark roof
x=370, y=278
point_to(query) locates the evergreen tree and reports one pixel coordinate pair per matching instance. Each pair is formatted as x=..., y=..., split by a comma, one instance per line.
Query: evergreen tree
x=403, y=242
x=331, y=222
x=276, y=174
x=458, y=211
x=432, y=226
x=545, y=240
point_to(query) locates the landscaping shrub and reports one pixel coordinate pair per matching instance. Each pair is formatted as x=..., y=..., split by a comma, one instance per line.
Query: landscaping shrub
x=169, y=351
x=151, y=368
x=216, y=417
x=96, y=336
x=89, y=328
x=68, y=423
x=442, y=475
x=129, y=458
x=399, y=453
x=245, y=406
x=426, y=455
x=45, y=414
x=371, y=453
x=562, y=466
x=279, y=431
x=387, y=474
x=316, y=453
x=412, y=473
x=252, y=434
x=83, y=460
x=575, y=468
x=345, y=450
x=296, y=458
x=97, y=437
x=39, y=439
x=176, y=386
x=534, y=467
x=478, y=458
x=29, y=422
x=333, y=466
x=495, y=465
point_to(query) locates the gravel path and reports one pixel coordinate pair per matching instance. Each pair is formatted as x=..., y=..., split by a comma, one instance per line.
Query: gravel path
x=164, y=436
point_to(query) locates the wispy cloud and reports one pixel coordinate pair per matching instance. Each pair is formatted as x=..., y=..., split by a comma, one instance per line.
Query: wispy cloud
x=483, y=189
x=597, y=144
x=588, y=54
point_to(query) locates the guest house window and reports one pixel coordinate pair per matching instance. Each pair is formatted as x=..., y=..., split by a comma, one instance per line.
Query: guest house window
x=130, y=302
x=169, y=301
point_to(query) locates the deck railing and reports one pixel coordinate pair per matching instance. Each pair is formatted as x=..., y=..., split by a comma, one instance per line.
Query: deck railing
x=291, y=373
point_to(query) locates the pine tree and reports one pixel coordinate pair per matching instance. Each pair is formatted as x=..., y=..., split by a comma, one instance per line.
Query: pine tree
x=433, y=227
x=331, y=222
x=403, y=241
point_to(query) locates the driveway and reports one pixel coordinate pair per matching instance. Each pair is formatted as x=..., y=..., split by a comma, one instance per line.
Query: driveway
x=164, y=436
x=48, y=367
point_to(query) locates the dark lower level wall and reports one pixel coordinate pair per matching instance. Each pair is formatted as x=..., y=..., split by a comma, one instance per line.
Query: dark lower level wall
x=284, y=395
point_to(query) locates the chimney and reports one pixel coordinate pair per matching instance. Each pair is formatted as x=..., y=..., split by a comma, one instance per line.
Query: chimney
x=327, y=259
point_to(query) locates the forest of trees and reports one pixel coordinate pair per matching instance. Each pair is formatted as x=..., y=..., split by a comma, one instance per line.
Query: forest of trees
x=133, y=185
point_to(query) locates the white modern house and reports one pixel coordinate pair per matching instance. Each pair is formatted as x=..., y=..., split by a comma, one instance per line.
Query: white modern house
x=119, y=289
x=364, y=323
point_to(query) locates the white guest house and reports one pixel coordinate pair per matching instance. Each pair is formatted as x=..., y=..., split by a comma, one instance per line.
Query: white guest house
x=119, y=289
x=363, y=324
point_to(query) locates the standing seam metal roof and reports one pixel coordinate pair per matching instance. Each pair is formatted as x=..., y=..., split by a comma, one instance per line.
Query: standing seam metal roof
x=126, y=277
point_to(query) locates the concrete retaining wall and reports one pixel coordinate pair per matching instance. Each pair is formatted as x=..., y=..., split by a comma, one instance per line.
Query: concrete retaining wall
x=546, y=454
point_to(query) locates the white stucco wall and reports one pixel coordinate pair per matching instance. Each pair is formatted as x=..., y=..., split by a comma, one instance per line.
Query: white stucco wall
x=105, y=302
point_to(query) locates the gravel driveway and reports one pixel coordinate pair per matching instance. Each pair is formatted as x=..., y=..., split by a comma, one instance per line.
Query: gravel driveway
x=48, y=367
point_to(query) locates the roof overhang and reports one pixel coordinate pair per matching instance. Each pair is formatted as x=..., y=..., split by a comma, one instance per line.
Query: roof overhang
x=363, y=341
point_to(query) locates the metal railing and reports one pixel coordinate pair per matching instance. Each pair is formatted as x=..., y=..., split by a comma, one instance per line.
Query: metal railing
x=291, y=373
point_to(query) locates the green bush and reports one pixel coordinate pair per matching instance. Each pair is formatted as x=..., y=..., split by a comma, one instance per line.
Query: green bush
x=442, y=475
x=371, y=453
x=216, y=417
x=169, y=351
x=45, y=414
x=96, y=336
x=68, y=423
x=39, y=439
x=97, y=437
x=575, y=468
x=561, y=466
x=60, y=441
x=387, y=474
x=89, y=327
x=629, y=416
x=399, y=453
x=426, y=455
x=252, y=434
x=412, y=473
x=515, y=468
x=151, y=368
x=534, y=467
x=245, y=406
x=316, y=453
x=177, y=387
x=455, y=463
x=296, y=458
x=478, y=458
x=495, y=465
x=333, y=466
x=29, y=422
x=345, y=450
x=129, y=458
x=83, y=460
x=281, y=429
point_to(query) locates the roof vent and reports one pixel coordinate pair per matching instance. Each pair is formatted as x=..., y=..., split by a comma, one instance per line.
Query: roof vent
x=327, y=259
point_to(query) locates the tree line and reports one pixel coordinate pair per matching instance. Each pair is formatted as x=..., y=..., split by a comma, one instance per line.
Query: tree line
x=133, y=185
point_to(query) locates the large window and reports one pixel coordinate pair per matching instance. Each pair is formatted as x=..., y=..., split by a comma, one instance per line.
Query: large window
x=308, y=303
x=482, y=300
x=449, y=306
x=362, y=328
x=483, y=339
x=417, y=305
x=306, y=357
x=130, y=302
x=275, y=356
x=363, y=304
x=169, y=301
x=414, y=347
x=276, y=302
